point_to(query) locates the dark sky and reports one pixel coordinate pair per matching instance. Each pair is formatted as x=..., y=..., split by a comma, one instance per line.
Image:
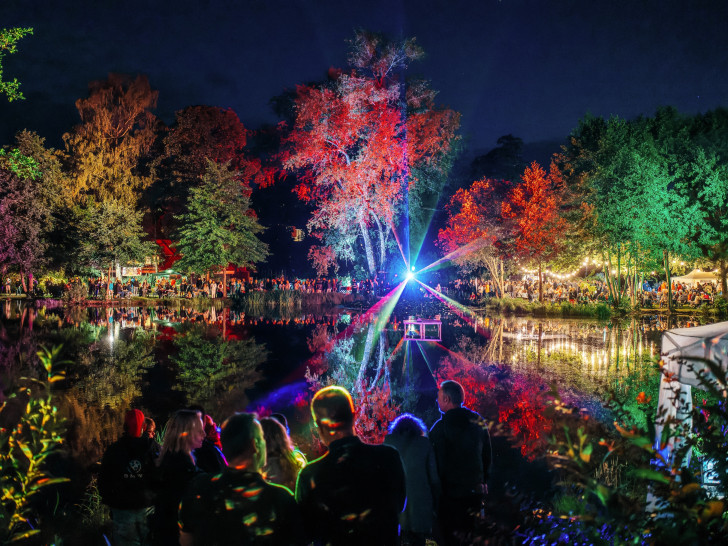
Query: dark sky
x=528, y=68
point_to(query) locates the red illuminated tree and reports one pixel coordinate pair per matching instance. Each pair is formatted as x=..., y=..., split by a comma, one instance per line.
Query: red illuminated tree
x=200, y=134
x=473, y=229
x=353, y=140
x=537, y=227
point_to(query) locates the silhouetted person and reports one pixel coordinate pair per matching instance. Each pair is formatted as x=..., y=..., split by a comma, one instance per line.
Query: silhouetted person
x=463, y=453
x=125, y=482
x=353, y=494
x=209, y=457
x=238, y=506
x=408, y=435
x=176, y=469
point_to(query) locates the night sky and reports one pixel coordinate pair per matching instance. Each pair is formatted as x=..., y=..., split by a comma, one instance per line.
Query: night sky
x=527, y=68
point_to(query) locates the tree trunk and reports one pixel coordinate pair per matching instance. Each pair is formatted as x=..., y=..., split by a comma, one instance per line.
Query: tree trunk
x=540, y=290
x=723, y=272
x=368, y=249
x=359, y=387
x=22, y=282
x=382, y=243
x=224, y=282
x=666, y=258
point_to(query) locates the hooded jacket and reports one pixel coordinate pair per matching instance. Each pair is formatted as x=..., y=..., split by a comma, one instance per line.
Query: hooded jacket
x=463, y=452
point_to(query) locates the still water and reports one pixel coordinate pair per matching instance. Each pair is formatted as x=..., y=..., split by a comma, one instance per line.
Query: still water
x=161, y=358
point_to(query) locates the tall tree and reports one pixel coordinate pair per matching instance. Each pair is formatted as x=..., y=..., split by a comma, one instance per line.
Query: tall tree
x=23, y=215
x=473, y=232
x=219, y=228
x=110, y=149
x=355, y=138
x=200, y=134
x=533, y=208
x=705, y=184
x=109, y=234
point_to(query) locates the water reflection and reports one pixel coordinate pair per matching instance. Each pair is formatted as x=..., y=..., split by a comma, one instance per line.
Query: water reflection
x=159, y=358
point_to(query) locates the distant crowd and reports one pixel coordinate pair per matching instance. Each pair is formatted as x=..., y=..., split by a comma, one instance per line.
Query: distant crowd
x=201, y=287
x=583, y=291
x=465, y=290
x=235, y=484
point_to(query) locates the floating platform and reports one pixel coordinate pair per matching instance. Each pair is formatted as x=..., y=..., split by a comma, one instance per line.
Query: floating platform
x=422, y=329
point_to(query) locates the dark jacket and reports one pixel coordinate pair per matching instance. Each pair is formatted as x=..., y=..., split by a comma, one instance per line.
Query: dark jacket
x=209, y=458
x=353, y=495
x=127, y=473
x=174, y=474
x=462, y=449
x=423, y=483
x=238, y=507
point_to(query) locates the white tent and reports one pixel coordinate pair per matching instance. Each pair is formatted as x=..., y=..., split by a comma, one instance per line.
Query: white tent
x=682, y=349
x=696, y=276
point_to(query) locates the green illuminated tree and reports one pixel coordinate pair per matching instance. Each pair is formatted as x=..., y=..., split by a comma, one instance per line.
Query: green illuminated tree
x=109, y=234
x=220, y=228
x=705, y=184
x=9, y=38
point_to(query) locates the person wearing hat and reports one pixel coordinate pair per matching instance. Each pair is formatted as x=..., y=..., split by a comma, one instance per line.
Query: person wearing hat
x=125, y=481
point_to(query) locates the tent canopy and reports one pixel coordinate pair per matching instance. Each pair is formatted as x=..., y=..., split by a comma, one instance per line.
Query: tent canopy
x=697, y=276
x=682, y=351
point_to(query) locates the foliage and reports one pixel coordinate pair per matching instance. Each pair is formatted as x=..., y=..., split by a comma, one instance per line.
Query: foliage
x=566, y=309
x=109, y=150
x=219, y=228
x=76, y=292
x=31, y=431
x=8, y=44
x=616, y=510
x=355, y=137
x=109, y=233
x=209, y=367
x=474, y=229
x=538, y=226
x=22, y=220
x=200, y=134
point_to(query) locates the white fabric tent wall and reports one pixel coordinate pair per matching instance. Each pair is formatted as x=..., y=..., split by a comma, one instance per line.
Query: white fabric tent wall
x=696, y=276
x=679, y=347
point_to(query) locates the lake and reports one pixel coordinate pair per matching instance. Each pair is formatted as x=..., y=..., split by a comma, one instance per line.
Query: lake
x=161, y=358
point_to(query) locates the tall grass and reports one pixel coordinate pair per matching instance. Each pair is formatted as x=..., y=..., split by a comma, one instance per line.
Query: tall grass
x=565, y=309
x=290, y=299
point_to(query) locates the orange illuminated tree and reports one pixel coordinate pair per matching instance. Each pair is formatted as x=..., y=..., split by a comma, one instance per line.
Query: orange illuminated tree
x=353, y=140
x=537, y=228
x=473, y=229
x=110, y=149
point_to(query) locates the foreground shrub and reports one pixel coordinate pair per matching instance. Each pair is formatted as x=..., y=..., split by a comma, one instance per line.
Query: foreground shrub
x=618, y=488
x=30, y=431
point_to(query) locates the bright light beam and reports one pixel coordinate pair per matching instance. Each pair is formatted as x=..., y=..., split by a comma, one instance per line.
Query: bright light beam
x=472, y=246
x=459, y=309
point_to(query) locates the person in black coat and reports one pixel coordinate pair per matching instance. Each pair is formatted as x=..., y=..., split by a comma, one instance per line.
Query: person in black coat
x=175, y=469
x=408, y=435
x=463, y=453
x=126, y=481
x=353, y=494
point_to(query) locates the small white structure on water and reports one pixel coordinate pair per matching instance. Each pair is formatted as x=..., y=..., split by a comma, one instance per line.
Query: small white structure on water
x=420, y=329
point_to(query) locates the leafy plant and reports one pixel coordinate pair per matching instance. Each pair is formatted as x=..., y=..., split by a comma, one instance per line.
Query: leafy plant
x=652, y=499
x=26, y=441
